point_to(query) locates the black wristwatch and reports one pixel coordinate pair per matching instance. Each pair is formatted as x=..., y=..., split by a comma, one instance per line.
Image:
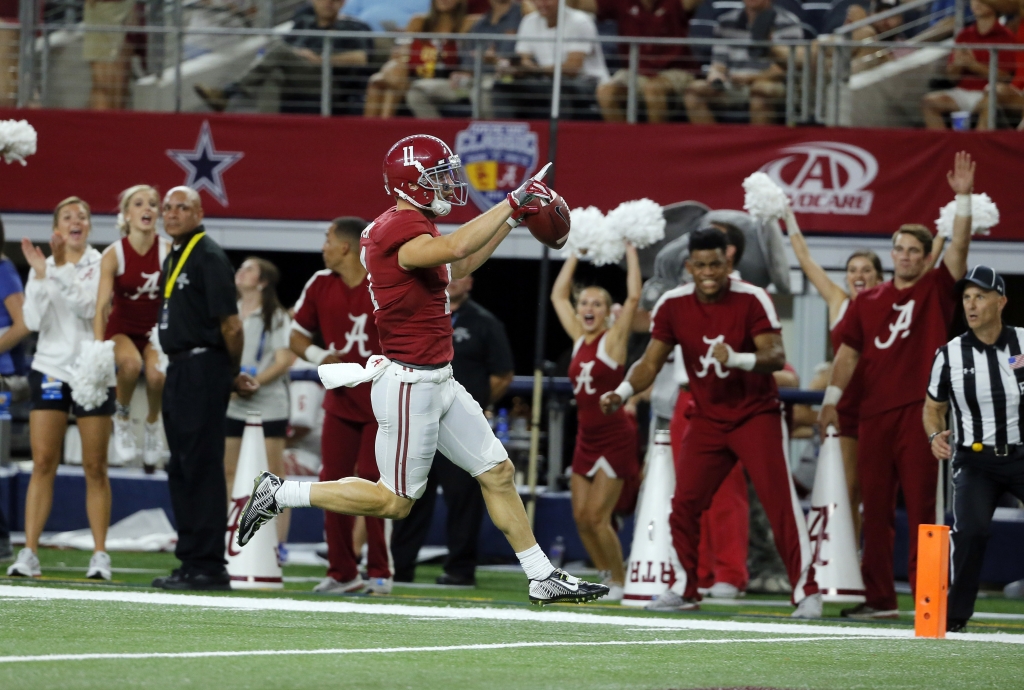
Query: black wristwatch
x=931, y=437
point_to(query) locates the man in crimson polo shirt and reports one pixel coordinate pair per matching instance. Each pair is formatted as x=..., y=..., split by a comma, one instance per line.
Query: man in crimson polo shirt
x=663, y=70
x=893, y=330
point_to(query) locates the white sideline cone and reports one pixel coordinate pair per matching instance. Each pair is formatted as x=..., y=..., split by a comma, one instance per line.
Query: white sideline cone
x=255, y=566
x=649, y=570
x=830, y=527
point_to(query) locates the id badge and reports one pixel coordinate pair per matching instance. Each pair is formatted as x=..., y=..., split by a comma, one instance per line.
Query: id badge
x=52, y=389
x=164, y=315
x=251, y=371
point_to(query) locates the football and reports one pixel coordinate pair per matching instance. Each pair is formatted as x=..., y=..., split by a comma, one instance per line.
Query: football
x=551, y=224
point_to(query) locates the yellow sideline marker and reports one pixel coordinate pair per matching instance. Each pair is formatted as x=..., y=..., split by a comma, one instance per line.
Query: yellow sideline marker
x=932, y=581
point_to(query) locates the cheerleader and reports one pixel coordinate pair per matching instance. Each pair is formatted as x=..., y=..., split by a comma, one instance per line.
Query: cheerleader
x=60, y=303
x=129, y=305
x=606, y=446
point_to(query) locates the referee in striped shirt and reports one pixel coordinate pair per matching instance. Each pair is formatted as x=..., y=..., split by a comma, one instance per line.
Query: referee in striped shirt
x=982, y=374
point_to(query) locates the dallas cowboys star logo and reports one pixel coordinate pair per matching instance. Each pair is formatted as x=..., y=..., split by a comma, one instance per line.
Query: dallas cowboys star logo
x=205, y=165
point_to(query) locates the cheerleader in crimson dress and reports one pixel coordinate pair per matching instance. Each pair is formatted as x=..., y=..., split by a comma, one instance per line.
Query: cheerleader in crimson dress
x=128, y=305
x=863, y=272
x=606, y=451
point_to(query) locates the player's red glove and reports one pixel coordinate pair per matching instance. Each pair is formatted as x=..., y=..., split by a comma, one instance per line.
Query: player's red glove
x=533, y=188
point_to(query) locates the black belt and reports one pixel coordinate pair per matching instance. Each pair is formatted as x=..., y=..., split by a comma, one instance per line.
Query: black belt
x=185, y=354
x=999, y=451
x=426, y=367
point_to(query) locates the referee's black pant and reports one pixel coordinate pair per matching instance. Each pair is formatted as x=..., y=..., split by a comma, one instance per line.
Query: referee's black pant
x=979, y=479
x=465, y=503
x=195, y=400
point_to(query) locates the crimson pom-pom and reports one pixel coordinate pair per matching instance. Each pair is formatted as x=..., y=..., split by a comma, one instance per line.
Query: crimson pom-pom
x=550, y=225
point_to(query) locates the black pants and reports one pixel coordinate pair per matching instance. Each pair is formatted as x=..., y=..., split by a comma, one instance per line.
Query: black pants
x=465, y=505
x=979, y=479
x=195, y=406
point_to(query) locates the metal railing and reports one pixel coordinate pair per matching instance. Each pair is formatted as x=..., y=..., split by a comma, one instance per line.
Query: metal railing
x=817, y=84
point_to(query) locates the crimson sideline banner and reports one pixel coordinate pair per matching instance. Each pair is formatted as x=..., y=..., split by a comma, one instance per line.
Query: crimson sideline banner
x=850, y=181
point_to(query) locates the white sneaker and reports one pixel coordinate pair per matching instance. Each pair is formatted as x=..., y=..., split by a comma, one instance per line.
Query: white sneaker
x=615, y=592
x=329, y=585
x=809, y=607
x=26, y=565
x=152, y=445
x=124, y=440
x=724, y=590
x=379, y=585
x=99, y=566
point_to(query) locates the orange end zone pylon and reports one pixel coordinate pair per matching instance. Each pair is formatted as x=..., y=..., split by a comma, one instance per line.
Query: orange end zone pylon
x=932, y=588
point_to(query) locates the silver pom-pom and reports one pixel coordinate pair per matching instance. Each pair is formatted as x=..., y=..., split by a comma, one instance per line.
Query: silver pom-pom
x=984, y=216
x=592, y=239
x=764, y=199
x=93, y=373
x=640, y=222
x=17, y=140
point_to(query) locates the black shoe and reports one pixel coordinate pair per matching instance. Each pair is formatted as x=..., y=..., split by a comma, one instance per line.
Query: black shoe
x=455, y=580
x=6, y=552
x=956, y=625
x=865, y=612
x=197, y=582
x=173, y=581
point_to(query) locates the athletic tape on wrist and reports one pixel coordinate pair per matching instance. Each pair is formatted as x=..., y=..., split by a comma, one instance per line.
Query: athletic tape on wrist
x=832, y=395
x=315, y=354
x=624, y=390
x=963, y=205
x=741, y=360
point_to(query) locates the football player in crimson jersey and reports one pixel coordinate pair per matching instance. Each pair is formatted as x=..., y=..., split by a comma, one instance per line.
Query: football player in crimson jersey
x=419, y=407
x=732, y=343
x=891, y=331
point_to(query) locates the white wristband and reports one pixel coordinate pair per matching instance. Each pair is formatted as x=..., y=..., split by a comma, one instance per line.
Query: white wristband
x=963, y=205
x=624, y=390
x=741, y=360
x=832, y=395
x=315, y=354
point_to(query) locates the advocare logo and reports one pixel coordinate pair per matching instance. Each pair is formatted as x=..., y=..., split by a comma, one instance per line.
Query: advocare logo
x=825, y=177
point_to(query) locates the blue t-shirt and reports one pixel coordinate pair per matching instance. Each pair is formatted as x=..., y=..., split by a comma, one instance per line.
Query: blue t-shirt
x=10, y=284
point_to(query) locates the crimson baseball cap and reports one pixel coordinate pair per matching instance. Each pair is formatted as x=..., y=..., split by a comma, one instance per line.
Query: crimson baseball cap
x=984, y=277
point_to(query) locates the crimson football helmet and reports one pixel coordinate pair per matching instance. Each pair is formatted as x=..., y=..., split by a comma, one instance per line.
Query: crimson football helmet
x=426, y=163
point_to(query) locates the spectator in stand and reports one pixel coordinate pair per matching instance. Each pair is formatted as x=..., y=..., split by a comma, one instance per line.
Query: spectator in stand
x=664, y=71
x=425, y=95
x=742, y=75
x=107, y=53
x=1009, y=96
x=128, y=305
x=969, y=68
x=292, y=64
x=385, y=15
x=421, y=59
x=60, y=302
x=8, y=53
x=267, y=358
x=524, y=86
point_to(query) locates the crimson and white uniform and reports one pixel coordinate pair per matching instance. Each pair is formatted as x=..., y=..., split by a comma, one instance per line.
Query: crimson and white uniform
x=602, y=442
x=419, y=407
x=344, y=318
x=136, y=304
x=735, y=416
x=896, y=333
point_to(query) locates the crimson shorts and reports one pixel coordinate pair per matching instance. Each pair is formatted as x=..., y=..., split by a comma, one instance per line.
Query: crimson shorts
x=616, y=453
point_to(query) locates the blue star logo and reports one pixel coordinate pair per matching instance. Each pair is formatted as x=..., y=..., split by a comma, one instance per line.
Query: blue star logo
x=206, y=165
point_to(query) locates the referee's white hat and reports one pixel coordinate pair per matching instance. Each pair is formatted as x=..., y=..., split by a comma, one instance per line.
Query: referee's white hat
x=984, y=277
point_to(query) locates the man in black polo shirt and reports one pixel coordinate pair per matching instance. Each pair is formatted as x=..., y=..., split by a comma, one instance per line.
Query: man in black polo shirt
x=483, y=365
x=292, y=64
x=202, y=335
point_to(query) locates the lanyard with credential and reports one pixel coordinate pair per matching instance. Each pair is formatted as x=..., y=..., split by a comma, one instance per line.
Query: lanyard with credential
x=169, y=285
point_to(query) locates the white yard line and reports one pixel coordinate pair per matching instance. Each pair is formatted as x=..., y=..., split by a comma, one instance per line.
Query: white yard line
x=404, y=650
x=476, y=613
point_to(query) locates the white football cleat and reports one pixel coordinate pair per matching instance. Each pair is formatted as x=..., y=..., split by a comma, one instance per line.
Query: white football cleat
x=561, y=586
x=99, y=566
x=26, y=565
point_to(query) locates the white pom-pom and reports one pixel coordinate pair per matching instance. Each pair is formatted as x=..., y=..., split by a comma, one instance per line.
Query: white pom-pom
x=593, y=239
x=93, y=374
x=984, y=216
x=161, y=358
x=640, y=222
x=764, y=199
x=17, y=140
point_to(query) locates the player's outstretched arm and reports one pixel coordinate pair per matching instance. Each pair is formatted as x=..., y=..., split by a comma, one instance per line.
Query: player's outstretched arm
x=842, y=371
x=833, y=294
x=961, y=180
x=640, y=376
x=427, y=252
